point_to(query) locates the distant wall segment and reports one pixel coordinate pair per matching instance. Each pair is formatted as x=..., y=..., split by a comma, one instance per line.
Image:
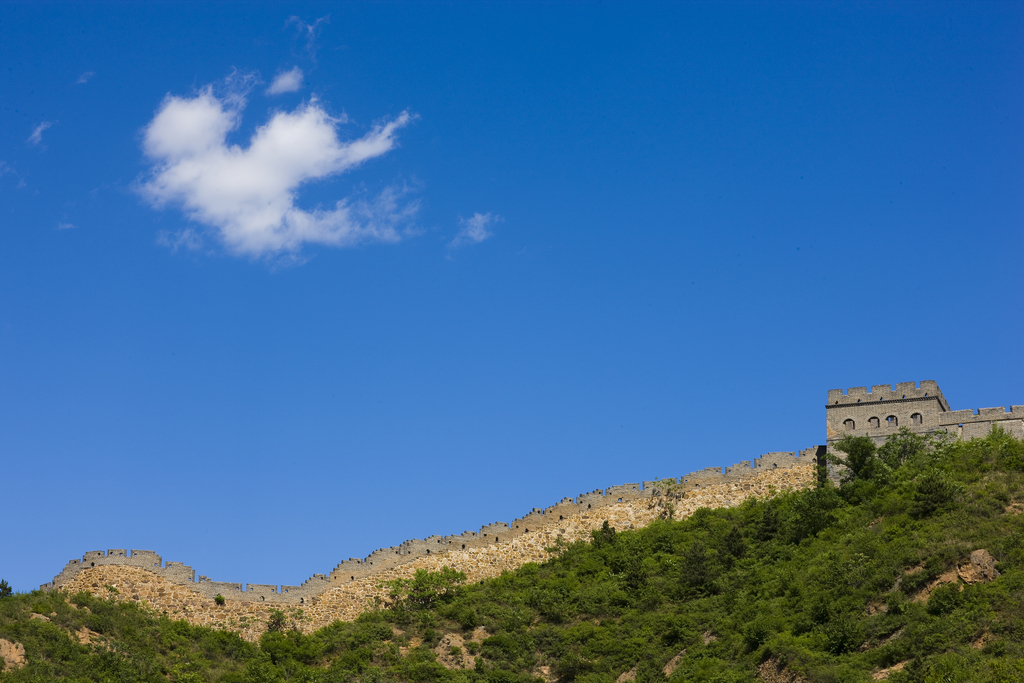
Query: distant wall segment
x=347, y=600
x=385, y=559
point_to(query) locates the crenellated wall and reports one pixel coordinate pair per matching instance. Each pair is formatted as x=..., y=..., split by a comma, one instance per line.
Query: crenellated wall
x=384, y=559
x=879, y=413
x=923, y=409
x=970, y=424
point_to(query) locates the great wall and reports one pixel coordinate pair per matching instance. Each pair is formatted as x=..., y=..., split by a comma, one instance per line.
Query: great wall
x=354, y=584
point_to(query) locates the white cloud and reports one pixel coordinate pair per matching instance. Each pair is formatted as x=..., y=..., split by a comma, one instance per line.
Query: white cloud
x=66, y=226
x=286, y=81
x=247, y=194
x=37, y=133
x=84, y=78
x=474, y=230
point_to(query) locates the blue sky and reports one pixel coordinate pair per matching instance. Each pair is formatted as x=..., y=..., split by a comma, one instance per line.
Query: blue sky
x=281, y=284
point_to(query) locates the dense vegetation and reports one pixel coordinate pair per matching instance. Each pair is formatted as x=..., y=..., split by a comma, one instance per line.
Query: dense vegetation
x=824, y=584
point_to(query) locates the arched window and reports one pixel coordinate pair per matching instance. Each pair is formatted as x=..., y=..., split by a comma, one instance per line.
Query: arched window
x=849, y=425
x=892, y=420
x=873, y=423
x=916, y=418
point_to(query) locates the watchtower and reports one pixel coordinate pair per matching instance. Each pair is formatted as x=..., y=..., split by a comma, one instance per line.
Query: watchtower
x=880, y=412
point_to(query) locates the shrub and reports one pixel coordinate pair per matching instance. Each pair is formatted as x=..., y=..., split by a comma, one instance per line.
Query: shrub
x=944, y=599
x=276, y=623
x=814, y=511
x=934, y=491
x=426, y=588
x=860, y=461
x=604, y=537
x=842, y=635
x=698, y=570
x=219, y=599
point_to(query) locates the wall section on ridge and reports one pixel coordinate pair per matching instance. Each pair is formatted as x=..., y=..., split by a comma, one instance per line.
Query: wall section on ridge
x=386, y=559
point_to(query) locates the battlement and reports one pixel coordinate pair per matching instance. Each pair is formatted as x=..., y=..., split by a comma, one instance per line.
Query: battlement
x=970, y=424
x=386, y=558
x=903, y=391
x=881, y=412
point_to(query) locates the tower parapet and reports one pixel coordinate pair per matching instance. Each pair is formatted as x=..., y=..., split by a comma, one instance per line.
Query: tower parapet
x=879, y=413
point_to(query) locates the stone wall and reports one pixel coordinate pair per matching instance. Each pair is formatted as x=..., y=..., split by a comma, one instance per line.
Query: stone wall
x=385, y=559
x=346, y=599
x=881, y=412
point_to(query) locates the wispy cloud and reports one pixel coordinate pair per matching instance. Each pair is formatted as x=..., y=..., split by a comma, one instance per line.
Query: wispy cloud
x=247, y=194
x=6, y=168
x=187, y=239
x=84, y=78
x=474, y=230
x=286, y=81
x=37, y=133
x=66, y=226
x=310, y=32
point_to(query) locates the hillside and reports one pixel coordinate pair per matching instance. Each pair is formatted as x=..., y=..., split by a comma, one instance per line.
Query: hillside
x=911, y=570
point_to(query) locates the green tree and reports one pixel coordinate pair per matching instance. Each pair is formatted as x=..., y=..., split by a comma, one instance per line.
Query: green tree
x=901, y=447
x=276, y=623
x=860, y=461
x=5, y=588
x=935, y=490
x=604, y=537
x=426, y=588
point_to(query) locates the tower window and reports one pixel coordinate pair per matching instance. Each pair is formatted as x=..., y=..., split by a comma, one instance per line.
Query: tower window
x=849, y=425
x=892, y=420
x=873, y=423
x=916, y=418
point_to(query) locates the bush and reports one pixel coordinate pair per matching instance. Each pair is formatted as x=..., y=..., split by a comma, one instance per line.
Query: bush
x=277, y=621
x=219, y=599
x=603, y=537
x=899, y=448
x=425, y=588
x=934, y=491
x=944, y=599
x=842, y=635
x=860, y=461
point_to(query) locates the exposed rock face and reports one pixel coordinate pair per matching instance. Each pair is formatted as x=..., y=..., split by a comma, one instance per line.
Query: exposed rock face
x=627, y=676
x=347, y=600
x=980, y=569
x=947, y=577
x=774, y=671
x=883, y=674
x=673, y=664
x=451, y=652
x=12, y=655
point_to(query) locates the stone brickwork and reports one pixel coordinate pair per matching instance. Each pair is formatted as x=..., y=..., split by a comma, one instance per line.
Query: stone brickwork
x=923, y=409
x=347, y=599
x=384, y=559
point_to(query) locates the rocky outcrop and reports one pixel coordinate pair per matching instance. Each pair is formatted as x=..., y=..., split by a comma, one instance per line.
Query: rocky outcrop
x=12, y=655
x=981, y=568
